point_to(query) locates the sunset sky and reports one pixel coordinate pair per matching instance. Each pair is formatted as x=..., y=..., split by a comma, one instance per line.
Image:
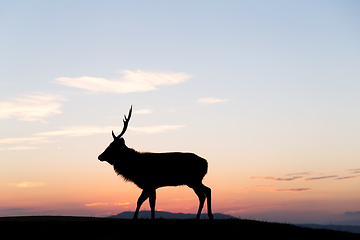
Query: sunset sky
x=266, y=91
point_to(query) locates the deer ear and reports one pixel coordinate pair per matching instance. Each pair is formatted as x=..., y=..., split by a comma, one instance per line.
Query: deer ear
x=122, y=141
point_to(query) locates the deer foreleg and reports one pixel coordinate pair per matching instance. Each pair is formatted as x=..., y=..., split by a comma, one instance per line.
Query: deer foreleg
x=201, y=197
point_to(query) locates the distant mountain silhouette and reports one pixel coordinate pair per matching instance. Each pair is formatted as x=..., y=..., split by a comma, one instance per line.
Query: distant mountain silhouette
x=349, y=222
x=169, y=215
x=344, y=228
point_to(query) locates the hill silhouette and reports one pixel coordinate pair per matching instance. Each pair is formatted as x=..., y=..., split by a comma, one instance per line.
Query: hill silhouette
x=170, y=215
x=61, y=227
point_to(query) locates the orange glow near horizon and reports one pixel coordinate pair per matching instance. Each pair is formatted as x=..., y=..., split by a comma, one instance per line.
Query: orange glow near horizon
x=256, y=193
x=259, y=196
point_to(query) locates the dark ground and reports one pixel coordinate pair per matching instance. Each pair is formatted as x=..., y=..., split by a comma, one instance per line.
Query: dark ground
x=57, y=227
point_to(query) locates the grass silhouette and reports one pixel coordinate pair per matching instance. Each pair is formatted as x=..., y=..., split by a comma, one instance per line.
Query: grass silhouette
x=61, y=227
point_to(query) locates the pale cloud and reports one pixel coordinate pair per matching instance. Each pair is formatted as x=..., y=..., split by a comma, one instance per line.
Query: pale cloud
x=347, y=177
x=30, y=184
x=267, y=188
x=26, y=140
x=293, y=178
x=32, y=107
x=354, y=170
x=319, y=178
x=122, y=204
x=18, y=148
x=143, y=111
x=29, y=140
x=95, y=204
x=132, y=81
x=211, y=100
x=296, y=176
x=299, y=173
x=276, y=179
x=78, y=131
x=155, y=129
x=293, y=190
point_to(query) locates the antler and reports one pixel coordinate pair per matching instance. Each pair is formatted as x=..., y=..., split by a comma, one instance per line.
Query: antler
x=126, y=122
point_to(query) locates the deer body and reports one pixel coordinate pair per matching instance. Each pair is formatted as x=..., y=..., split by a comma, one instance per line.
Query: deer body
x=154, y=170
x=150, y=171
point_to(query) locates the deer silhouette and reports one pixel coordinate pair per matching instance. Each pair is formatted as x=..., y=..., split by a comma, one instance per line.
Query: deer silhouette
x=150, y=171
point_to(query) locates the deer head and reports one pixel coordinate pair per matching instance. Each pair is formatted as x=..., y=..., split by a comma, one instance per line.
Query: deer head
x=117, y=144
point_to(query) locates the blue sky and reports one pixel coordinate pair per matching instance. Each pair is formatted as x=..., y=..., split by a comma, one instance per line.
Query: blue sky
x=259, y=88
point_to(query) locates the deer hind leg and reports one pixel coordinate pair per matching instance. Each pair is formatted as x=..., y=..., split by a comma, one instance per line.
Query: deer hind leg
x=152, y=199
x=144, y=195
x=208, y=198
x=203, y=192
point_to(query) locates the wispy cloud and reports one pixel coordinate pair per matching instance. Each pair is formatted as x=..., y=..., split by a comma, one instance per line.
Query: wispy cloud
x=301, y=176
x=95, y=204
x=32, y=107
x=299, y=173
x=267, y=188
x=29, y=140
x=18, y=148
x=293, y=190
x=155, y=129
x=132, y=81
x=26, y=140
x=78, y=131
x=354, y=170
x=122, y=204
x=347, y=177
x=211, y=100
x=276, y=179
x=143, y=111
x=319, y=178
x=29, y=184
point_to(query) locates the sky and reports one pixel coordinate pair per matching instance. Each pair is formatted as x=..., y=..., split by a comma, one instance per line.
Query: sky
x=266, y=91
